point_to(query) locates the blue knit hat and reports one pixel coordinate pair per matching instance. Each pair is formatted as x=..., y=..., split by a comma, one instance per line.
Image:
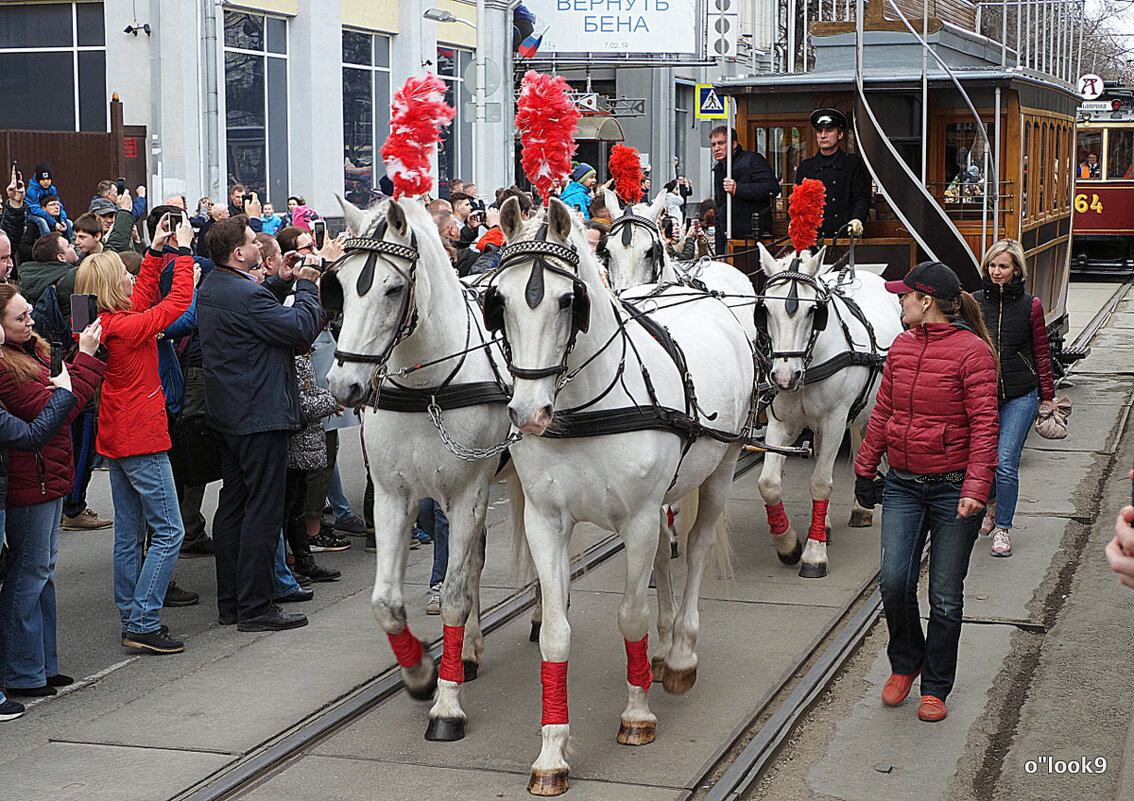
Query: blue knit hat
x=582, y=170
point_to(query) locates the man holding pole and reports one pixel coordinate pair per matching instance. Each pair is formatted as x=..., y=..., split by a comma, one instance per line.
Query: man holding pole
x=750, y=184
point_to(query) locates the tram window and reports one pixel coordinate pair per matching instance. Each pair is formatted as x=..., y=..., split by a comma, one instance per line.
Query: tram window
x=964, y=162
x=1056, y=170
x=1024, y=175
x=785, y=151
x=1120, y=154
x=1090, y=155
x=1041, y=207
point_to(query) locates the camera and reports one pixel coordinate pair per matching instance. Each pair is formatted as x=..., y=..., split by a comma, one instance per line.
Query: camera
x=121, y=185
x=247, y=198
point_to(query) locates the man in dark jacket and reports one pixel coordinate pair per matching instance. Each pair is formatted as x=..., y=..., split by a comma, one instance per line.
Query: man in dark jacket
x=251, y=399
x=844, y=176
x=752, y=185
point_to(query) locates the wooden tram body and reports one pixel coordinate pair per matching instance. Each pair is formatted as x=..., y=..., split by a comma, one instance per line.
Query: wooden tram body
x=1031, y=200
x=1103, y=227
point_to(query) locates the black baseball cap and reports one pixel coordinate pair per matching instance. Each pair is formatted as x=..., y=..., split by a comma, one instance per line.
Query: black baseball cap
x=828, y=118
x=930, y=278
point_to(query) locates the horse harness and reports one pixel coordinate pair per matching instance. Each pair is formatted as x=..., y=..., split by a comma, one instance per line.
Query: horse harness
x=580, y=421
x=386, y=393
x=655, y=254
x=874, y=359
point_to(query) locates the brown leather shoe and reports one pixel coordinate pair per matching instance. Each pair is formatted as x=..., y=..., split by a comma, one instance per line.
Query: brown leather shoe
x=897, y=687
x=931, y=709
x=86, y=520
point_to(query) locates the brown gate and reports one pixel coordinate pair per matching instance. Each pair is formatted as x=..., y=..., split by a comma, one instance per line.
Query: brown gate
x=79, y=160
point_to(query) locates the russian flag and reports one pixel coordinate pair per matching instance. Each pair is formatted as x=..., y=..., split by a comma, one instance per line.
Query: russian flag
x=530, y=45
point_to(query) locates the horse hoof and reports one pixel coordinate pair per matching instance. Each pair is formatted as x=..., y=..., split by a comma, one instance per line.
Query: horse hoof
x=471, y=669
x=445, y=730
x=677, y=682
x=637, y=733
x=807, y=570
x=657, y=667
x=674, y=552
x=534, y=635
x=548, y=782
x=793, y=557
x=424, y=692
x=861, y=518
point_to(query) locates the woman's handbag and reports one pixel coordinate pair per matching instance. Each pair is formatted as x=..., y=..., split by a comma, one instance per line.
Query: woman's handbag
x=1052, y=423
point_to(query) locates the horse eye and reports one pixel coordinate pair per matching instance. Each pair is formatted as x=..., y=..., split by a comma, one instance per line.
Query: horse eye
x=393, y=290
x=565, y=302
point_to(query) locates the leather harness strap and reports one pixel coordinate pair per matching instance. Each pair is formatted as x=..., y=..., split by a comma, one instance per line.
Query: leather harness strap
x=396, y=398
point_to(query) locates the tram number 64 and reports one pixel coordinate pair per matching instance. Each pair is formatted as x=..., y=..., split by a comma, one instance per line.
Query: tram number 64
x=1082, y=206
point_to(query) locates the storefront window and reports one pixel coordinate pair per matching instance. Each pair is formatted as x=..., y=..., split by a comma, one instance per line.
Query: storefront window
x=366, y=111
x=454, y=151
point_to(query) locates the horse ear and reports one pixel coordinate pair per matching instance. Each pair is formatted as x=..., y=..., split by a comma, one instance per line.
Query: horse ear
x=396, y=218
x=511, y=219
x=767, y=261
x=657, y=208
x=815, y=263
x=559, y=220
x=353, y=215
x=613, y=207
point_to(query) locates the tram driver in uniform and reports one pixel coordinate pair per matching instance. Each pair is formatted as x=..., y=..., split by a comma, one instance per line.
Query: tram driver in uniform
x=1089, y=168
x=843, y=174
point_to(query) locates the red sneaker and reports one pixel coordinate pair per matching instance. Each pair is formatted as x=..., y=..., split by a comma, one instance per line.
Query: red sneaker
x=897, y=687
x=931, y=709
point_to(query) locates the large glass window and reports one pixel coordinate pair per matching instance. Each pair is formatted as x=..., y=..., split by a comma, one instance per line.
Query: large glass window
x=454, y=151
x=683, y=97
x=43, y=48
x=366, y=111
x=1120, y=153
x=964, y=162
x=256, y=103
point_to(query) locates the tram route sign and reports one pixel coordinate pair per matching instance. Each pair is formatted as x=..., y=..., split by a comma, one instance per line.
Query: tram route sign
x=610, y=27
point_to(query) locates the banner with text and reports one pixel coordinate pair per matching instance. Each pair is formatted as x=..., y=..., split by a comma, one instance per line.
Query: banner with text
x=617, y=26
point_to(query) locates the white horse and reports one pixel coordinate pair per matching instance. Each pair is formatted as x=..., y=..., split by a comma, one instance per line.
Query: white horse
x=566, y=337
x=637, y=257
x=818, y=383
x=404, y=306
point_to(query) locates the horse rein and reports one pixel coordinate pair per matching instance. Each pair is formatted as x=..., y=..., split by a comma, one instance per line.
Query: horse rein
x=791, y=305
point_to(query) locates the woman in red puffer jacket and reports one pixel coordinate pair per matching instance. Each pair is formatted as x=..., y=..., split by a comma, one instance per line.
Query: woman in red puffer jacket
x=936, y=422
x=37, y=483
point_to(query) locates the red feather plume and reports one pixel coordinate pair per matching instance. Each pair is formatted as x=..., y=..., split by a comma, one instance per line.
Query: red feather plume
x=626, y=168
x=546, y=117
x=805, y=207
x=417, y=114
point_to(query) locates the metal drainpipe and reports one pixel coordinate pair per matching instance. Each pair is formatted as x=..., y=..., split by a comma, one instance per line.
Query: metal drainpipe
x=156, y=182
x=212, y=112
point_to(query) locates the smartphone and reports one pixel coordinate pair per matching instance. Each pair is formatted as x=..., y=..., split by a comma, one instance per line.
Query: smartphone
x=174, y=220
x=121, y=185
x=56, y=359
x=247, y=198
x=319, y=230
x=84, y=310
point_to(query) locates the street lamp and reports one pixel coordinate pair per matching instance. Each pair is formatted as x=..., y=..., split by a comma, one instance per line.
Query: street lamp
x=479, y=129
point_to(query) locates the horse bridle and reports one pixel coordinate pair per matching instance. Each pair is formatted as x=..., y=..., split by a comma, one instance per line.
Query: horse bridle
x=627, y=223
x=331, y=291
x=791, y=306
x=539, y=250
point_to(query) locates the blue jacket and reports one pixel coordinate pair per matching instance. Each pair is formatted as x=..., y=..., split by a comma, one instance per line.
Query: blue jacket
x=248, y=342
x=578, y=196
x=271, y=224
x=15, y=433
x=35, y=194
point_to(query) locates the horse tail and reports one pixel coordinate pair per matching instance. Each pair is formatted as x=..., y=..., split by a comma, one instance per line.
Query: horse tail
x=722, y=545
x=522, y=572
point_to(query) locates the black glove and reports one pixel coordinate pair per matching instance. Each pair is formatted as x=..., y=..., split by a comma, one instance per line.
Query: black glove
x=864, y=491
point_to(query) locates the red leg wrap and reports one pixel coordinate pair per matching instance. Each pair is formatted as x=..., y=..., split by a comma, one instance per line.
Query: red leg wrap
x=818, y=521
x=669, y=515
x=553, y=675
x=638, y=670
x=407, y=648
x=777, y=518
x=452, y=667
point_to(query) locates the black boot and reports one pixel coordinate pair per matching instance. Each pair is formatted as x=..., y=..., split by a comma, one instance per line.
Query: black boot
x=306, y=566
x=295, y=532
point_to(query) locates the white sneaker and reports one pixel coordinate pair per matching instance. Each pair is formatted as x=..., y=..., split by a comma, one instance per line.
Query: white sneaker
x=433, y=606
x=1001, y=544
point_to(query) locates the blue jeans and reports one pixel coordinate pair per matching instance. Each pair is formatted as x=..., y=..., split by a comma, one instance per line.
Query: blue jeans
x=143, y=492
x=283, y=580
x=340, y=507
x=45, y=229
x=27, y=599
x=433, y=522
x=910, y=513
x=1016, y=419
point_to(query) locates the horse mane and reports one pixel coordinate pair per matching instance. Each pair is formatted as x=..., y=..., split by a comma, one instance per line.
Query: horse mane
x=420, y=222
x=588, y=263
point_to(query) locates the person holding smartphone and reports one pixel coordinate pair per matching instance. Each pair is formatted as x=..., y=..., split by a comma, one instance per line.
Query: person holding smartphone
x=133, y=429
x=38, y=479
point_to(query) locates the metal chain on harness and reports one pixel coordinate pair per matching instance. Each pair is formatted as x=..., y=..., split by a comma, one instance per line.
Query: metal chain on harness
x=462, y=451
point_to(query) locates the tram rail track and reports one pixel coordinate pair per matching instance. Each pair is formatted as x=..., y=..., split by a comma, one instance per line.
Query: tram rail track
x=734, y=768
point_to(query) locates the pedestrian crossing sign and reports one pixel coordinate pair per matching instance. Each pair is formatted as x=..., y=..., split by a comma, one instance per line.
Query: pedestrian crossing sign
x=710, y=105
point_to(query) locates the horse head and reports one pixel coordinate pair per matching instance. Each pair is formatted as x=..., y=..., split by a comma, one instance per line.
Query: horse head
x=540, y=303
x=374, y=287
x=793, y=313
x=635, y=248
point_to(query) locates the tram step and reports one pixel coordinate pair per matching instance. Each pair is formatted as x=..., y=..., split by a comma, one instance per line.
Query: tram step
x=1069, y=354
